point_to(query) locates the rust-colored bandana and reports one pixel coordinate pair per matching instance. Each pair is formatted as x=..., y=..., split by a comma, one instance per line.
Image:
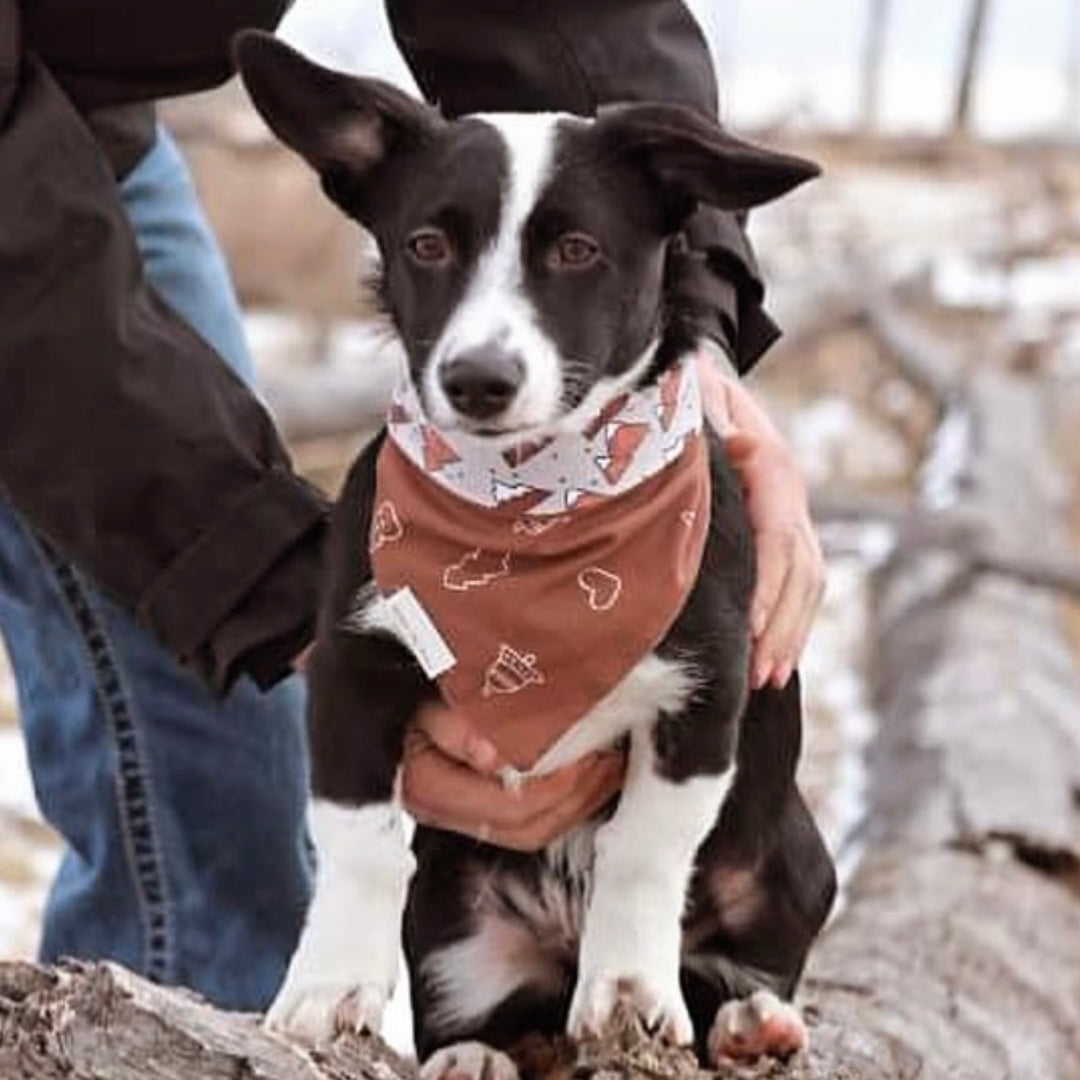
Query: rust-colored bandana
x=534, y=579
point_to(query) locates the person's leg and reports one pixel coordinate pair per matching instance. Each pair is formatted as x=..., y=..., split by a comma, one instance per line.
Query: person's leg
x=186, y=857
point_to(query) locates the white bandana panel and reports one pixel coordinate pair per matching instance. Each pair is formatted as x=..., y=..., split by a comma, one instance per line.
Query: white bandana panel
x=634, y=436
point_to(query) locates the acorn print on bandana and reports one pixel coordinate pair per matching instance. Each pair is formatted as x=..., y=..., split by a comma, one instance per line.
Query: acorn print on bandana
x=510, y=672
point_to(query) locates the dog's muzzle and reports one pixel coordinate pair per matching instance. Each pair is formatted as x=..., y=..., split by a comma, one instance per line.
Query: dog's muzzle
x=481, y=384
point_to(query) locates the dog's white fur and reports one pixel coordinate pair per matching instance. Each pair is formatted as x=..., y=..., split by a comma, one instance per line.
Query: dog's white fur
x=633, y=927
x=345, y=967
x=495, y=309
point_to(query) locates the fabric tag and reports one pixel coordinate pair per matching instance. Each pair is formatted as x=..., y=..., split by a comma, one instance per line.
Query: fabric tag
x=414, y=626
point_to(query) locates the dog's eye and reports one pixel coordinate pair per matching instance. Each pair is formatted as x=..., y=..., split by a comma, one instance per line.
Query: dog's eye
x=574, y=251
x=431, y=247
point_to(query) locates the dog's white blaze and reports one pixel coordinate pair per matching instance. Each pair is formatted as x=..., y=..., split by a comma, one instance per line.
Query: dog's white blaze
x=643, y=864
x=495, y=308
x=352, y=931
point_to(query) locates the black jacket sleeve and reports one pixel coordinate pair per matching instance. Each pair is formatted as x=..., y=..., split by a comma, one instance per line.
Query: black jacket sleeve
x=575, y=55
x=124, y=439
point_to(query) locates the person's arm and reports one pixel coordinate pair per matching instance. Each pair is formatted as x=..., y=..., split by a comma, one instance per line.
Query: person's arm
x=124, y=440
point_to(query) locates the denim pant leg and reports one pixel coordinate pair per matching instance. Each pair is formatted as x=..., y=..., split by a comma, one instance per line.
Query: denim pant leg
x=183, y=816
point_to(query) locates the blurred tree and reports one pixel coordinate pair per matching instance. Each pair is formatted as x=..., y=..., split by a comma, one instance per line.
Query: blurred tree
x=873, y=54
x=969, y=65
x=1072, y=74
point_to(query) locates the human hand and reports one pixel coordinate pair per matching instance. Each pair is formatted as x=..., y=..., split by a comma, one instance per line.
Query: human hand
x=301, y=660
x=790, y=564
x=450, y=779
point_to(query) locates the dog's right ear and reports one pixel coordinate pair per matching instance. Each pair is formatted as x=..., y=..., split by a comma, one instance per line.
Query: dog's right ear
x=346, y=127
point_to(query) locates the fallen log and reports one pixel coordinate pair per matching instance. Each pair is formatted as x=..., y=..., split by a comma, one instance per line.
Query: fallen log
x=92, y=1022
x=957, y=953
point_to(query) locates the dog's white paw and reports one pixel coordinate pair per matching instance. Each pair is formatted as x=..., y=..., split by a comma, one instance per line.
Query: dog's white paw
x=468, y=1061
x=760, y=1026
x=315, y=1011
x=663, y=1012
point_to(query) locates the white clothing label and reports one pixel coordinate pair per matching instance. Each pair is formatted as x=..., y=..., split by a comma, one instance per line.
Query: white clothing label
x=414, y=627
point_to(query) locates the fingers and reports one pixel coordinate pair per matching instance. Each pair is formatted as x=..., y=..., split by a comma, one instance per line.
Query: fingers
x=597, y=782
x=775, y=549
x=787, y=624
x=790, y=566
x=714, y=395
x=457, y=739
x=440, y=791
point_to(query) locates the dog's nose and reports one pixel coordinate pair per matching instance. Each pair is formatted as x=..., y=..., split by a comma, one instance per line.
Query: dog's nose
x=481, y=384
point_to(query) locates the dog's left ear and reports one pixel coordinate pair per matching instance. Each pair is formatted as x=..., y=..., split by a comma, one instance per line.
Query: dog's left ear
x=694, y=160
x=344, y=126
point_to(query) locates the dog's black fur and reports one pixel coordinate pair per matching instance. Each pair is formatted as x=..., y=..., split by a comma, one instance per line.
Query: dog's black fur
x=764, y=882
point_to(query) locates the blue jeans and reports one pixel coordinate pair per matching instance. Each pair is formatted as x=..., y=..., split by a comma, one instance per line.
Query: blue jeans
x=185, y=852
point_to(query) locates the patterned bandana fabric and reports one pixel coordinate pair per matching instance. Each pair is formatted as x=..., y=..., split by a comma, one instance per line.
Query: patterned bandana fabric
x=544, y=572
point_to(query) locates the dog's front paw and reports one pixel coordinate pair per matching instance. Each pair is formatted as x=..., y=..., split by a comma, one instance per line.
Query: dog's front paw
x=760, y=1026
x=314, y=1010
x=663, y=1012
x=469, y=1061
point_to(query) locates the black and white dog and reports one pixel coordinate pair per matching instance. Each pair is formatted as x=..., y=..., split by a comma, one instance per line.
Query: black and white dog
x=523, y=262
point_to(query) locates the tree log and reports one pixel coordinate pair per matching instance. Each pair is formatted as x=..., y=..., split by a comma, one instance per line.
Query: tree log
x=957, y=953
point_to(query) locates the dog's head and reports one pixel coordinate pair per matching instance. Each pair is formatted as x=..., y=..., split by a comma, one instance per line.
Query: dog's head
x=523, y=255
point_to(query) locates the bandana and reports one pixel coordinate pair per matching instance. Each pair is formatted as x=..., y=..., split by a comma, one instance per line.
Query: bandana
x=531, y=580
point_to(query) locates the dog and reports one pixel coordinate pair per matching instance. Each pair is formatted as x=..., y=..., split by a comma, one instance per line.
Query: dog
x=547, y=537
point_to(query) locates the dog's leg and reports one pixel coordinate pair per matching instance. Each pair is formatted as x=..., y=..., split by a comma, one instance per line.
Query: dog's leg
x=364, y=688
x=761, y=894
x=344, y=969
x=644, y=860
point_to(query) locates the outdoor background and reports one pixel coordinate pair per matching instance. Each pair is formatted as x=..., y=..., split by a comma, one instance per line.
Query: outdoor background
x=941, y=248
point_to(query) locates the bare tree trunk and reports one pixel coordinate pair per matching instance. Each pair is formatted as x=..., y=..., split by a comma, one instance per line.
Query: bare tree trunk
x=873, y=53
x=1072, y=74
x=969, y=65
